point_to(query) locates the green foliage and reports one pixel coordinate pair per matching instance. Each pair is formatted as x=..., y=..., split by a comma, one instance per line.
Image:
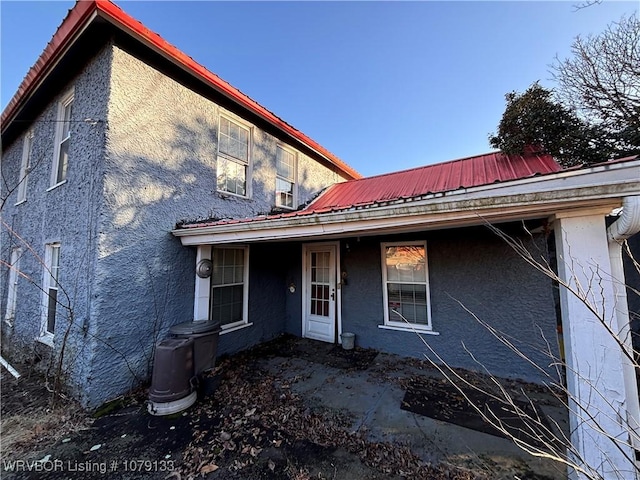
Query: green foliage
x=534, y=120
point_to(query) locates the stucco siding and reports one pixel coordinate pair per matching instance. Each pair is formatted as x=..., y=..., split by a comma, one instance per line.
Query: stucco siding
x=67, y=214
x=160, y=170
x=268, y=295
x=467, y=267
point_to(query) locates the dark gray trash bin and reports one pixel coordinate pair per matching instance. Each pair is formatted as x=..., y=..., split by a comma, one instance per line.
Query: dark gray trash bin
x=205, y=342
x=172, y=382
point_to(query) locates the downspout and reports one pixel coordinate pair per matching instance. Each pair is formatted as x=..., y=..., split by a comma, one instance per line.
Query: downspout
x=627, y=225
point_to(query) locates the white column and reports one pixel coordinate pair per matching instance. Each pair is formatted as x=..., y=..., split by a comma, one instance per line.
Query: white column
x=595, y=377
x=203, y=288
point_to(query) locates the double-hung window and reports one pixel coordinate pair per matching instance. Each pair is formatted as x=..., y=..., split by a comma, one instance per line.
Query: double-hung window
x=50, y=290
x=229, y=286
x=25, y=167
x=406, y=285
x=62, y=141
x=12, y=293
x=285, y=178
x=233, y=157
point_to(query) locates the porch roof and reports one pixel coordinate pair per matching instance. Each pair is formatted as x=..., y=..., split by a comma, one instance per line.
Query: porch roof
x=524, y=196
x=417, y=182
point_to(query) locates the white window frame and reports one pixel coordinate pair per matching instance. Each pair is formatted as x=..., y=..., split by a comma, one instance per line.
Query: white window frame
x=293, y=179
x=25, y=167
x=390, y=323
x=224, y=156
x=12, y=287
x=66, y=101
x=50, y=280
x=245, y=290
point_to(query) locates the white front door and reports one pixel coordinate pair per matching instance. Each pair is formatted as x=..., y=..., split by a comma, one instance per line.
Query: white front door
x=319, y=309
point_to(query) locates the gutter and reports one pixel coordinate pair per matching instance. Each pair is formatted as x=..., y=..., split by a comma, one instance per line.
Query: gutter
x=627, y=225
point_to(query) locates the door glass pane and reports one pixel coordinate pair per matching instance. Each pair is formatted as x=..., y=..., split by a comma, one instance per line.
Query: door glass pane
x=320, y=284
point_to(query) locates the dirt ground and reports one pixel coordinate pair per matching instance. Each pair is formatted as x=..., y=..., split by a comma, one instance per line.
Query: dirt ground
x=252, y=425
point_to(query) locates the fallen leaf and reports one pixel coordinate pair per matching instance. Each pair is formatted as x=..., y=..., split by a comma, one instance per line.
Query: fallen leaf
x=271, y=465
x=212, y=467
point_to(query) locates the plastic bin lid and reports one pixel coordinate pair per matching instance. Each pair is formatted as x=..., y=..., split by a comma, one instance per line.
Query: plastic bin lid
x=191, y=328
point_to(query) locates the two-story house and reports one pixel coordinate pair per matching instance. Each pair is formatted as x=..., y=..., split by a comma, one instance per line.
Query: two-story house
x=114, y=137
x=126, y=164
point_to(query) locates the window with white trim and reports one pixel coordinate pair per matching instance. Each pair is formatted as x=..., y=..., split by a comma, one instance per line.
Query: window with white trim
x=50, y=289
x=229, y=286
x=285, y=177
x=233, y=157
x=25, y=167
x=12, y=293
x=406, y=285
x=63, y=140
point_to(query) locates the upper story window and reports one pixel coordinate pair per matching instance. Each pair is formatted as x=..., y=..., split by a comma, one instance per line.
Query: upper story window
x=25, y=167
x=406, y=285
x=62, y=140
x=285, y=178
x=50, y=291
x=234, y=148
x=12, y=286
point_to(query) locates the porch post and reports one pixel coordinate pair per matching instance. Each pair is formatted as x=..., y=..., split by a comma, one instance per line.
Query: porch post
x=595, y=376
x=203, y=288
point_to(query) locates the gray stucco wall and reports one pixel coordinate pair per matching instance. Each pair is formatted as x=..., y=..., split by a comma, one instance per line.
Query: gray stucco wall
x=473, y=267
x=160, y=169
x=268, y=296
x=67, y=214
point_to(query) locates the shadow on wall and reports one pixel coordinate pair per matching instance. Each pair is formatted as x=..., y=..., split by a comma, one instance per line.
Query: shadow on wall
x=145, y=276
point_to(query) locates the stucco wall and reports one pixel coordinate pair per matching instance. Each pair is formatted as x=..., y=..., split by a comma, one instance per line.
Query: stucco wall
x=161, y=169
x=268, y=295
x=470, y=266
x=67, y=214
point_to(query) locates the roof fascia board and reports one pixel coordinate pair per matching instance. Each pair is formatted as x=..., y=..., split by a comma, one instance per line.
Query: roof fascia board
x=425, y=220
x=565, y=191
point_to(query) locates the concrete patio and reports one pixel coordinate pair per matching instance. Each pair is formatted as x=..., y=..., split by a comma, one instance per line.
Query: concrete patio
x=373, y=396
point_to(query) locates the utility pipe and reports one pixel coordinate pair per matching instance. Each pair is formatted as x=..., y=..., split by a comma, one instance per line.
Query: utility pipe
x=11, y=370
x=627, y=225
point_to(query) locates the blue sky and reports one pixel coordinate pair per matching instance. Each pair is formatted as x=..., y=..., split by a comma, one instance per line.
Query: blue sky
x=383, y=85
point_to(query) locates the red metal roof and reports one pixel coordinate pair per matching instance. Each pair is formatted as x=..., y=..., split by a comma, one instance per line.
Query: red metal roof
x=83, y=13
x=409, y=184
x=442, y=177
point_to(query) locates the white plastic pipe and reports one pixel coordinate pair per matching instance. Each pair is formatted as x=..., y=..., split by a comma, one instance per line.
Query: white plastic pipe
x=11, y=370
x=627, y=225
